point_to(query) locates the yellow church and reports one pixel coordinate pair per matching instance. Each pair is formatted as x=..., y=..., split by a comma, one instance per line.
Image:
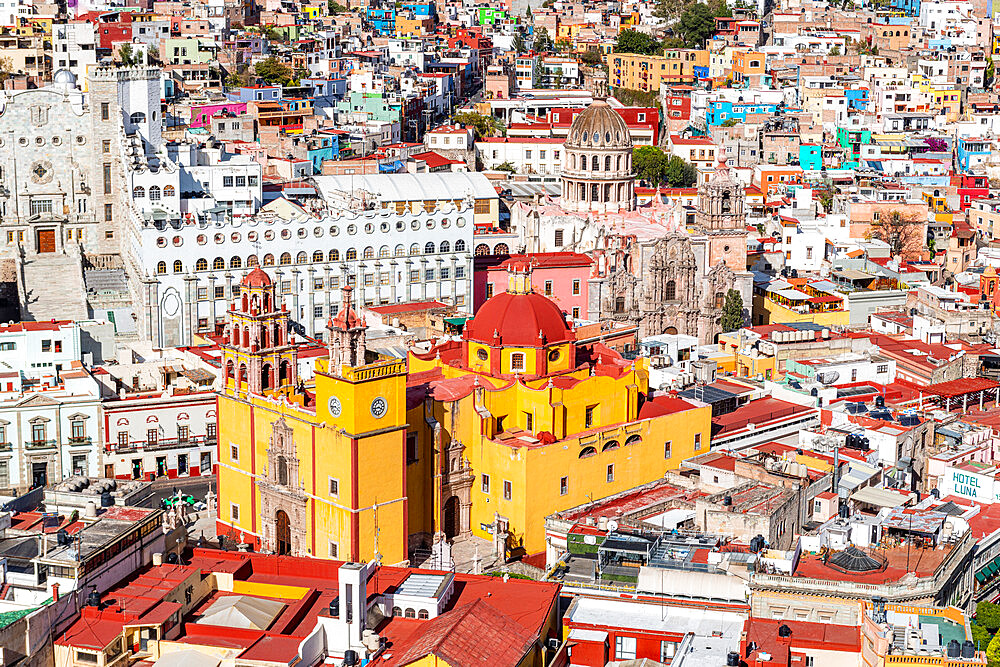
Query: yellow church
x=483, y=436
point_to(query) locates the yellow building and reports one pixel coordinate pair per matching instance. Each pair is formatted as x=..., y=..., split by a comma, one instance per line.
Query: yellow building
x=309, y=470
x=639, y=72
x=482, y=437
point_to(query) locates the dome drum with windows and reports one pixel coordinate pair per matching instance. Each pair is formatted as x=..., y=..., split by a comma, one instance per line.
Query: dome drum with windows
x=519, y=332
x=597, y=162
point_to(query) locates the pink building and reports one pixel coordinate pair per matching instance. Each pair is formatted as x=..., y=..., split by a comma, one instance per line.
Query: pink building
x=201, y=114
x=561, y=276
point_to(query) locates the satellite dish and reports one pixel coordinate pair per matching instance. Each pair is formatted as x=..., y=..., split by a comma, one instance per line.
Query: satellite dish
x=612, y=526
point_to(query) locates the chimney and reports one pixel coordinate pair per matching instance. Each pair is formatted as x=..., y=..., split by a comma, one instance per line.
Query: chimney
x=55, y=592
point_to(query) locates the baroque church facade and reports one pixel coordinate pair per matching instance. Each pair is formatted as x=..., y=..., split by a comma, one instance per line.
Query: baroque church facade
x=650, y=268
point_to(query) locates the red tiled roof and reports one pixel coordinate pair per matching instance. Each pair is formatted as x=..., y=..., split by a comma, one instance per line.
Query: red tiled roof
x=476, y=634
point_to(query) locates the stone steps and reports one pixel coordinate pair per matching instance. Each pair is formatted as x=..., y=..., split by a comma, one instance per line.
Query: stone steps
x=53, y=284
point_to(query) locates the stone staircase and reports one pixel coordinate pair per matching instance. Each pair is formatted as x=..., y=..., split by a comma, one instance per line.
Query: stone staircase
x=53, y=288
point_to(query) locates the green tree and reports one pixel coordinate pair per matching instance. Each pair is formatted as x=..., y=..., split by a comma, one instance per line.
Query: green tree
x=335, y=7
x=518, y=44
x=649, y=164
x=993, y=651
x=990, y=73
x=730, y=122
x=696, y=25
x=637, y=98
x=633, y=41
x=732, y=311
x=679, y=173
x=273, y=71
x=507, y=166
x=670, y=10
x=591, y=57
x=988, y=616
x=563, y=44
x=127, y=56
x=542, y=41
x=835, y=51
x=485, y=126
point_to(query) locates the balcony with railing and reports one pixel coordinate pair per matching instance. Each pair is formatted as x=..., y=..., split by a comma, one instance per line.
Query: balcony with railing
x=161, y=444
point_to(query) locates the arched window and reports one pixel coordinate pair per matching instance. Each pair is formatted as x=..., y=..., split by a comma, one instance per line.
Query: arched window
x=235, y=262
x=671, y=290
x=138, y=192
x=282, y=465
x=607, y=163
x=422, y=614
x=265, y=376
x=201, y=265
x=285, y=259
x=396, y=611
x=587, y=451
x=517, y=361
x=444, y=247
x=268, y=259
x=415, y=249
x=720, y=299
x=410, y=613
x=429, y=248
x=727, y=203
x=218, y=264
x=154, y=193
x=137, y=117
x=501, y=249
x=583, y=163
x=460, y=246
x=383, y=251
x=178, y=266
x=368, y=253
x=400, y=250
x=572, y=160
x=482, y=249
x=633, y=440
x=161, y=267
x=301, y=258
x=168, y=191
x=595, y=163
x=318, y=256
x=608, y=446
x=352, y=254
x=230, y=369
x=333, y=256
x=252, y=261
x=243, y=374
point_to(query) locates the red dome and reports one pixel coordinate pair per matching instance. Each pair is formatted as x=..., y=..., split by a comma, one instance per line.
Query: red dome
x=516, y=320
x=257, y=278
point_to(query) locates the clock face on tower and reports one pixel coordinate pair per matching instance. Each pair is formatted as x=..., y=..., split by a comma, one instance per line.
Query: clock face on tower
x=334, y=405
x=379, y=407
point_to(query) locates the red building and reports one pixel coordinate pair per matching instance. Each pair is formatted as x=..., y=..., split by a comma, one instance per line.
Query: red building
x=777, y=643
x=970, y=186
x=643, y=122
x=110, y=28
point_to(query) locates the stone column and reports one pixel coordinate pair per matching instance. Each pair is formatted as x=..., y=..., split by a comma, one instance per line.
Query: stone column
x=326, y=290
x=296, y=313
x=153, y=311
x=393, y=279
x=409, y=283
x=310, y=302
x=191, y=308
x=211, y=302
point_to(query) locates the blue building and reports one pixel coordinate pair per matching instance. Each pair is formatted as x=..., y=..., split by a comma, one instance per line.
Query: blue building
x=383, y=21
x=720, y=111
x=908, y=7
x=321, y=148
x=971, y=151
x=255, y=94
x=857, y=100
x=421, y=10
x=811, y=157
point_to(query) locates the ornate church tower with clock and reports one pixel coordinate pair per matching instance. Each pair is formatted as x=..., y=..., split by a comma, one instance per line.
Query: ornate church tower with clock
x=315, y=468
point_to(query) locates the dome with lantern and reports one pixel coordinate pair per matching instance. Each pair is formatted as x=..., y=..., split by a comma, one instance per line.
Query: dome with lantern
x=597, y=162
x=519, y=331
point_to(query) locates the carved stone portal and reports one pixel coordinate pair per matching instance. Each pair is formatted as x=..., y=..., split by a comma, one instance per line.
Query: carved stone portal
x=282, y=500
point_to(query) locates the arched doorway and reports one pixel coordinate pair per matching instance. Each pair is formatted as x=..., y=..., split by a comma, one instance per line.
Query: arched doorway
x=452, y=525
x=282, y=534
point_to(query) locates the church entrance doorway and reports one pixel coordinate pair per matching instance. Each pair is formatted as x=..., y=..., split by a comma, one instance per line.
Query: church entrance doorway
x=452, y=526
x=46, y=240
x=283, y=533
